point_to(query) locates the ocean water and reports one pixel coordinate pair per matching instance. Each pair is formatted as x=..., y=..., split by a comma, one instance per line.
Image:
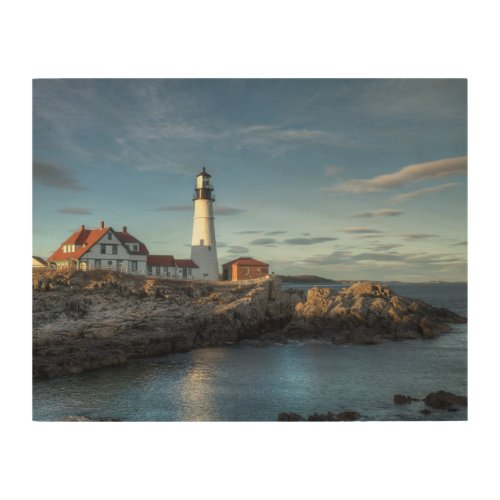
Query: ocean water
x=243, y=382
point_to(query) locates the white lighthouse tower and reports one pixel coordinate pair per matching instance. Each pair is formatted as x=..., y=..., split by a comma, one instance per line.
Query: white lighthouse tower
x=203, y=245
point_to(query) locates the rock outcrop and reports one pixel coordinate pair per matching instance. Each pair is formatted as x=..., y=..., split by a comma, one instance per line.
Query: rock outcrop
x=366, y=313
x=85, y=320
x=346, y=416
x=442, y=400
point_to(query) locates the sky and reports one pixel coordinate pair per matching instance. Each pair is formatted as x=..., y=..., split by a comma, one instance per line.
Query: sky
x=346, y=179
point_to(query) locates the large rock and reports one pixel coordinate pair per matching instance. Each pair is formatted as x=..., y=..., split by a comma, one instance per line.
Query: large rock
x=442, y=400
x=365, y=313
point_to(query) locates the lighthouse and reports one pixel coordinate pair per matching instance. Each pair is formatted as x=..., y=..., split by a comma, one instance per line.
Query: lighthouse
x=203, y=245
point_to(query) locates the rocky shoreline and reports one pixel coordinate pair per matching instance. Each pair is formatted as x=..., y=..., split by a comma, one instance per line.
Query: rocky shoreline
x=96, y=319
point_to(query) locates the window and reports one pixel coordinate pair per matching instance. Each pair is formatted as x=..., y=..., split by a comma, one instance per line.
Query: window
x=103, y=248
x=133, y=265
x=110, y=262
x=115, y=249
x=98, y=263
x=110, y=235
x=136, y=248
x=158, y=270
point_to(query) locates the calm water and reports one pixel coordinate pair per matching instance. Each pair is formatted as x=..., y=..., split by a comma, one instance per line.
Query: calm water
x=247, y=383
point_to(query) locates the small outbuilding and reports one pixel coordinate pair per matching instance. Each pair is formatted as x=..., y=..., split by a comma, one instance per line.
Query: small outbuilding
x=38, y=263
x=244, y=268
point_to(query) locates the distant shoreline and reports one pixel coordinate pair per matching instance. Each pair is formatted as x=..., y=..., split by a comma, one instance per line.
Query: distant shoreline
x=312, y=279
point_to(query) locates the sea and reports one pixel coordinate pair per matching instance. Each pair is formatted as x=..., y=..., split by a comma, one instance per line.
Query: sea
x=245, y=382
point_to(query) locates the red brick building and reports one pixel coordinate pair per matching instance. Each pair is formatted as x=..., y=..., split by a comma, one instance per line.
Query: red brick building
x=244, y=268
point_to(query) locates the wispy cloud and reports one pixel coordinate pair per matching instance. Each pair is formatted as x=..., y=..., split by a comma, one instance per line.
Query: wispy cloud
x=412, y=173
x=382, y=212
x=249, y=232
x=381, y=247
x=263, y=241
x=272, y=233
x=74, y=211
x=359, y=230
x=333, y=170
x=238, y=250
x=309, y=241
x=55, y=176
x=422, y=192
x=418, y=236
x=218, y=210
x=343, y=257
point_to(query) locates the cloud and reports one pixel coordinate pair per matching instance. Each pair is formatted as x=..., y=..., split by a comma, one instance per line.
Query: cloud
x=49, y=174
x=422, y=192
x=234, y=249
x=385, y=246
x=308, y=241
x=74, y=211
x=385, y=258
x=382, y=212
x=462, y=243
x=263, y=241
x=333, y=170
x=359, y=230
x=272, y=233
x=418, y=236
x=412, y=173
x=248, y=232
x=218, y=210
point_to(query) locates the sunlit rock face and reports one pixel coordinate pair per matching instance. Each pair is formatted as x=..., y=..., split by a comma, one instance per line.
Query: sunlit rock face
x=366, y=313
x=95, y=319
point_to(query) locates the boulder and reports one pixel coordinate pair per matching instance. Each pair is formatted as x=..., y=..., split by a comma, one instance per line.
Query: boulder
x=290, y=417
x=442, y=400
x=348, y=416
x=400, y=399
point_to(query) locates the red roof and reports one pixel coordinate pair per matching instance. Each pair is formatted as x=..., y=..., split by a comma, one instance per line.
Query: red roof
x=161, y=260
x=89, y=237
x=185, y=263
x=128, y=238
x=245, y=261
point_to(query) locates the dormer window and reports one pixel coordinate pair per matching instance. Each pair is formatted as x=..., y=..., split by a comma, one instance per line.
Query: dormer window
x=110, y=235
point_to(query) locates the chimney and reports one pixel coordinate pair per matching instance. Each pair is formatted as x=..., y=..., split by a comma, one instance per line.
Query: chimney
x=82, y=228
x=101, y=226
x=124, y=229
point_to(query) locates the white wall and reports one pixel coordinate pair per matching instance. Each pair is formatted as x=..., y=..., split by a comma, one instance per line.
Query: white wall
x=95, y=253
x=203, y=244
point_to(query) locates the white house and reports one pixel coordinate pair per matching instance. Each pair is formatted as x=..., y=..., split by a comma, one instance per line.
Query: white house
x=101, y=248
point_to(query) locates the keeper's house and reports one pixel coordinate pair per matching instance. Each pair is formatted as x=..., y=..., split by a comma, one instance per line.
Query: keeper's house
x=244, y=268
x=105, y=248
x=101, y=248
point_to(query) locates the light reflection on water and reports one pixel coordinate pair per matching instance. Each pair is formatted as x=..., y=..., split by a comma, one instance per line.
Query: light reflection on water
x=247, y=383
